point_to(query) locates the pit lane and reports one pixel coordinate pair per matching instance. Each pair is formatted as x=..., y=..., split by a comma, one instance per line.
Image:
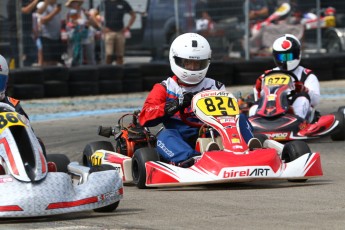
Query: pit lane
x=319, y=203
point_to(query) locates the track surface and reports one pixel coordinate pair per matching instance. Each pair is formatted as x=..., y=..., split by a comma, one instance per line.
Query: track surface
x=318, y=203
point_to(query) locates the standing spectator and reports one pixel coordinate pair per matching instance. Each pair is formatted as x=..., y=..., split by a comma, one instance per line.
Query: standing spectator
x=88, y=24
x=51, y=35
x=77, y=31
x=28, y=6
x=203, y=19
x=258, y=10
x=36, y=31
x=114, y=28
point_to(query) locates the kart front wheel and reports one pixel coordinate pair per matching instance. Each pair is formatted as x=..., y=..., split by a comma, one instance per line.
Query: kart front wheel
x=293, y=150
x=93, y=147
x=61, y=161
x=339, y=134
x=140, y=157
x=110, y=207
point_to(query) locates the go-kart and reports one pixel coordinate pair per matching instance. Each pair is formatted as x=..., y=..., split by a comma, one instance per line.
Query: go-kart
x=32, y=184
x=224, y=158
x=275, y=116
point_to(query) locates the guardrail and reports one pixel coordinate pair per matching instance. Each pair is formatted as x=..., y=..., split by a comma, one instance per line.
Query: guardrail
x=55, y=81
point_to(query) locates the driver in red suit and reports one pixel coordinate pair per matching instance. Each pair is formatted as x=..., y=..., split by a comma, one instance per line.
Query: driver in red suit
x=287, y=56
x=189, y=58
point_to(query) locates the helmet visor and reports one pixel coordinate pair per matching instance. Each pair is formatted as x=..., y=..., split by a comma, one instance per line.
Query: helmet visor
x=284, y=57
x=191, y=64
x=3, y=82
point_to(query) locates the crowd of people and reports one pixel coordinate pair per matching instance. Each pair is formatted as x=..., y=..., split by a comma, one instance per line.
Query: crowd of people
x=51, y=38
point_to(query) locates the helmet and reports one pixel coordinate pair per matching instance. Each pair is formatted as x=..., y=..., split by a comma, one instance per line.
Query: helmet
x=3, y=76
x=189, y=57
x=287, y=52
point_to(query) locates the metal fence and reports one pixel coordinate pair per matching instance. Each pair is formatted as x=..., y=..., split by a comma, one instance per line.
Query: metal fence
x=225, y=23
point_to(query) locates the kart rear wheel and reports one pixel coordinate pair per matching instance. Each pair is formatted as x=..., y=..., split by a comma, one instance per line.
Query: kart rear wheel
x=293, y=150
x=61, y=161
x=93, y=147
x=140, y=157
x=339, y=134
x=111, y=207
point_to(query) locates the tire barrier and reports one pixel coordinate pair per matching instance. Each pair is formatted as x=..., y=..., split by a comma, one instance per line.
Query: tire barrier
x=32, y=83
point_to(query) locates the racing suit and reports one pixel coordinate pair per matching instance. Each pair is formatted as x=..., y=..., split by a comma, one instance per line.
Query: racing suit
x=301, y=101
x=176, y=142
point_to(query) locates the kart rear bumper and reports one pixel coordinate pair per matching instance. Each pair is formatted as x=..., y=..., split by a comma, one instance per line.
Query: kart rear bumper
x=56, y=194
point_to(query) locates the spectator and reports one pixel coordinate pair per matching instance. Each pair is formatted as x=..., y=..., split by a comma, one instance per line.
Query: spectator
x=258, y=10
x=87, y=24
x=203, y=19
x=51, y=35
x=114, y=28
x=36, y=30
x=28, y=6
x=78, y=32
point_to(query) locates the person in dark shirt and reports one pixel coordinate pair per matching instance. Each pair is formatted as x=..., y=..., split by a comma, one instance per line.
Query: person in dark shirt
x=30, y=52
x=114, y=28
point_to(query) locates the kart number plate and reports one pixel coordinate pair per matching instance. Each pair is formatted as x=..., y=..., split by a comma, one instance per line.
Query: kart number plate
x=10, y=119
x=218, y=106
x=277, y=79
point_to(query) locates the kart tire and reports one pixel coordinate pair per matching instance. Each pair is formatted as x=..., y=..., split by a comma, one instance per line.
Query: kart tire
x=293, y=150
x=61, y=161
x=111, y=207
x=261, y=137
x=140, y=157
x=339, y=133
x=93, y=147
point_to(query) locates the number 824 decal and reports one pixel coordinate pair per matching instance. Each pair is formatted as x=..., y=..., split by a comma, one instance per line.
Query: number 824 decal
x=218, y=106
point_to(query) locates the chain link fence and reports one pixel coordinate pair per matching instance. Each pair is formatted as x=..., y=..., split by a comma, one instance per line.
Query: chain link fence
x=227, y=24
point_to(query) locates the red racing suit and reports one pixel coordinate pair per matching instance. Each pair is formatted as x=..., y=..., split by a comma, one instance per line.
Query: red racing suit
x=183, y=135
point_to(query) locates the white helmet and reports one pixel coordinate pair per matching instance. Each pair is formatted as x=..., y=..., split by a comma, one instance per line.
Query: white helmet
x=190, y=46
x=3, y=76
x=287, y=52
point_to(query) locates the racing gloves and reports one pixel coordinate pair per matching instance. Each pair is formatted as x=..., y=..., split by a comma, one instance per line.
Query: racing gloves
x=299, y=87
x=180, y=103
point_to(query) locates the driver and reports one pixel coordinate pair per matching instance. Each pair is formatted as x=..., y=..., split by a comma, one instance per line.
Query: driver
x=3, y=85
x=287, y=57
x=189, y=57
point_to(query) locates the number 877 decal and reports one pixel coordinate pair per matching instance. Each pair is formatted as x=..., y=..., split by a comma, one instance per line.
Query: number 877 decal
x=218, y=106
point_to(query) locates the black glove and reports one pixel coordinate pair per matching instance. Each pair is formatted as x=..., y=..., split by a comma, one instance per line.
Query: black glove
x=171, y=107
x=187, y=100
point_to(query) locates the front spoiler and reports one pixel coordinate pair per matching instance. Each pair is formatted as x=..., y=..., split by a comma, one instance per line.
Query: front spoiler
x=159, y=174
x=56, y=194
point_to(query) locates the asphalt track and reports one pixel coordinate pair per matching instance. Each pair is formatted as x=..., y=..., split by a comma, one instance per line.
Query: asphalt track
x=317, y=204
